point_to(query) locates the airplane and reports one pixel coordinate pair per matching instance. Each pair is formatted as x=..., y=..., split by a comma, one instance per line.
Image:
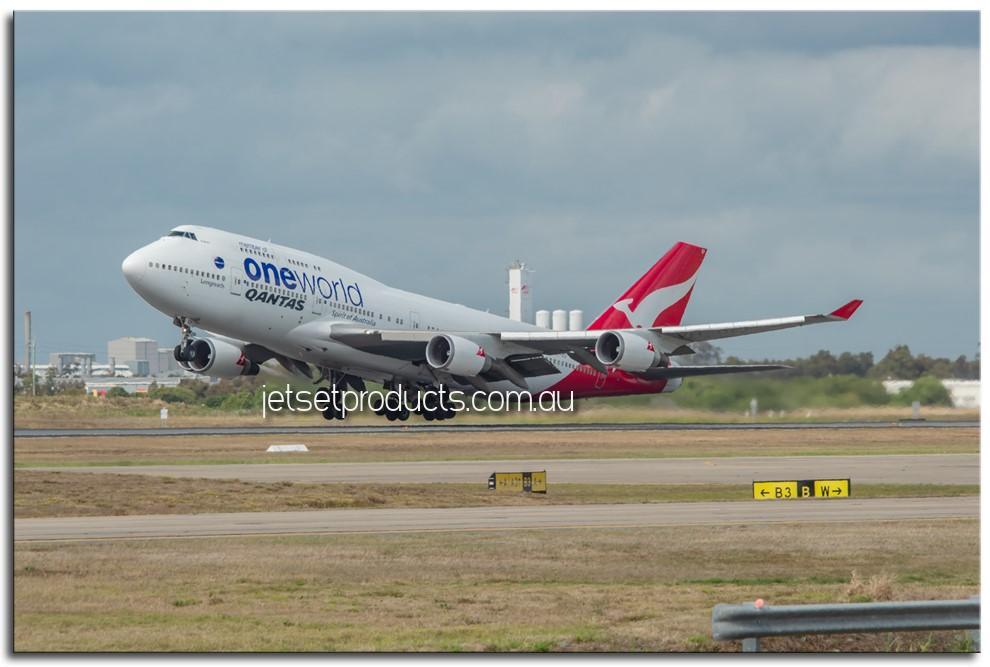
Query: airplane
x=263, y=306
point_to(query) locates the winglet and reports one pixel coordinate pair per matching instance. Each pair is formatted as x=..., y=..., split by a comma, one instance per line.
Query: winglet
x=846, y=311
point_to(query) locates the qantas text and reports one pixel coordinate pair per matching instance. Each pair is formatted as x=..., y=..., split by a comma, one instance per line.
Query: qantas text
x=275, y=299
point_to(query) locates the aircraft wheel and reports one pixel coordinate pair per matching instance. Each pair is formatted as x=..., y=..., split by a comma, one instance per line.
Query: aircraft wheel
x=391, y=416
x=404, y=414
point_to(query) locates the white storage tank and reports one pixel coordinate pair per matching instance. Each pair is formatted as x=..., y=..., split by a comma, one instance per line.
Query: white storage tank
x=560, y=320
x=575, y=320
x=543, y=318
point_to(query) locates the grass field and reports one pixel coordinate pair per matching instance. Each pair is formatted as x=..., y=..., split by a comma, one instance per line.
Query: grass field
x=407, y=446
x=49, y=494
x=638, y=589
x=642, y=589
x=81, y=412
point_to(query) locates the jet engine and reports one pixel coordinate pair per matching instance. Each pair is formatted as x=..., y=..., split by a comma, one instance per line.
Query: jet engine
x=457, y=356
x=215, y=357
x=629, y=352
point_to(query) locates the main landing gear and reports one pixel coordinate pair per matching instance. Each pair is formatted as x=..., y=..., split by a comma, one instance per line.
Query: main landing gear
x=392, y=409
x=429, y=403
x=340, y=381
x=434, y=409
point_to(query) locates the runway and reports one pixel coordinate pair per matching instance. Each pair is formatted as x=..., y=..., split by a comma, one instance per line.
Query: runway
x=493, y=518
x=466, y=428
x=892, y=469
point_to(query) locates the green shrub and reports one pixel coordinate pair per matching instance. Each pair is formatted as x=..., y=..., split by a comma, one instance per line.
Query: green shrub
x=733, y=394
x=214, y=401
x=173, y=395
x=244, y=400
x=117, y=392
x=927, y=389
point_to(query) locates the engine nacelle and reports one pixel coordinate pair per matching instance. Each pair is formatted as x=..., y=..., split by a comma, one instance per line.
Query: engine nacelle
x=629, y=352
x=457, y=356
x=216, y=358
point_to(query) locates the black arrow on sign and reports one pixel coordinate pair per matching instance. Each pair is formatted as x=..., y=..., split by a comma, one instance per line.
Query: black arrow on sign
x=763, y=492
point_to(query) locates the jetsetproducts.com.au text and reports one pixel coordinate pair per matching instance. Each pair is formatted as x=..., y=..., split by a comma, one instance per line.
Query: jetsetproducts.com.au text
x=438, y=400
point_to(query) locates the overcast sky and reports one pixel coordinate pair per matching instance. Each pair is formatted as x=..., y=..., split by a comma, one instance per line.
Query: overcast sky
x=819, y=157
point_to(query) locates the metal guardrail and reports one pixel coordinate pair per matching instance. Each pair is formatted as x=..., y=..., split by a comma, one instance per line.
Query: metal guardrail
x=749, y=622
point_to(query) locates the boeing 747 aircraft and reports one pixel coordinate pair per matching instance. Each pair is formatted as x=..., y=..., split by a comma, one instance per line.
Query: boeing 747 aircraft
x=264, y=306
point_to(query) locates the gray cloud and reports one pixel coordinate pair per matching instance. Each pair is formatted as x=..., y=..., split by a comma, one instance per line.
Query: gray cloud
x=819, y=157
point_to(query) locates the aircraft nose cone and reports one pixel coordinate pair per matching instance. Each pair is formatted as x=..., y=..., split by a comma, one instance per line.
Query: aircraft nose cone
x=134, y=267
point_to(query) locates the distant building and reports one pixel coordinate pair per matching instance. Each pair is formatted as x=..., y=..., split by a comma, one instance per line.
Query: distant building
x=964, y=393
x=130, y=348
x=72, y=363
x=167, y=365
x=103, y=370
x=139, y=368
x=133, y=385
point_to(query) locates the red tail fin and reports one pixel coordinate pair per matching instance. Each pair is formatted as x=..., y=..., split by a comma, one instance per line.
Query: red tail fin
x=660, y=296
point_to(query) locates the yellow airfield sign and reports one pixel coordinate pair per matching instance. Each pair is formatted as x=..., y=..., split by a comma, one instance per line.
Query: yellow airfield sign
x=802, y=488
x=530, y=482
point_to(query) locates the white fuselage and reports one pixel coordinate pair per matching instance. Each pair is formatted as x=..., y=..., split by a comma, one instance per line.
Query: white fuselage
x=260, y=292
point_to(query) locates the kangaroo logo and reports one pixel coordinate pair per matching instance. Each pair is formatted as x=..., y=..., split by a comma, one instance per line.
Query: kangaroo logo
x=654, y=303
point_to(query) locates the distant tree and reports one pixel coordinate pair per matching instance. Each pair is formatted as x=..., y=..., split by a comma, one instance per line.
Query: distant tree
x=854, y=364
x=71, y=388
x=898, y=364
x=117, y=392
x=197, y=387
x=173, y=395
x=47, y=386
x=821, y=364
x=705, y=354
x=963, y=369
x=939, y=367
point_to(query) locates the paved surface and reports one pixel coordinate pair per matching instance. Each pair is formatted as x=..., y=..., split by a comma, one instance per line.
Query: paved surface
x=893, y=469
x=494, y=518
x=464, y=428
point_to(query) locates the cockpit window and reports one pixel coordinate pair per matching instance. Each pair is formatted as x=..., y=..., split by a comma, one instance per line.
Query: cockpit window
x=188, y=235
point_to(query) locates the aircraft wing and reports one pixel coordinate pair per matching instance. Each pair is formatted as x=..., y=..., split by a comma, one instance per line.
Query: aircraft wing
x=560, y=342
x=704, y=332
x=668, y=372
x=520, y=354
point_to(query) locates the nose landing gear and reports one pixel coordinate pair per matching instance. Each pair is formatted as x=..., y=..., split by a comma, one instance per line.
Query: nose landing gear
x=183, y=352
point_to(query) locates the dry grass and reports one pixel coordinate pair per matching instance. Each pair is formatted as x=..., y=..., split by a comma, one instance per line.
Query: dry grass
x=51, y=494
x=643, y=589
x=878, y=588
x=411, y=446
x=79, y=412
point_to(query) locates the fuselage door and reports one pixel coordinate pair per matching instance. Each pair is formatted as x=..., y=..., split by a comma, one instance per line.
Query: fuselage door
x=317, y=303
x=600, y=379
x=236, y=281
x=413, y=319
